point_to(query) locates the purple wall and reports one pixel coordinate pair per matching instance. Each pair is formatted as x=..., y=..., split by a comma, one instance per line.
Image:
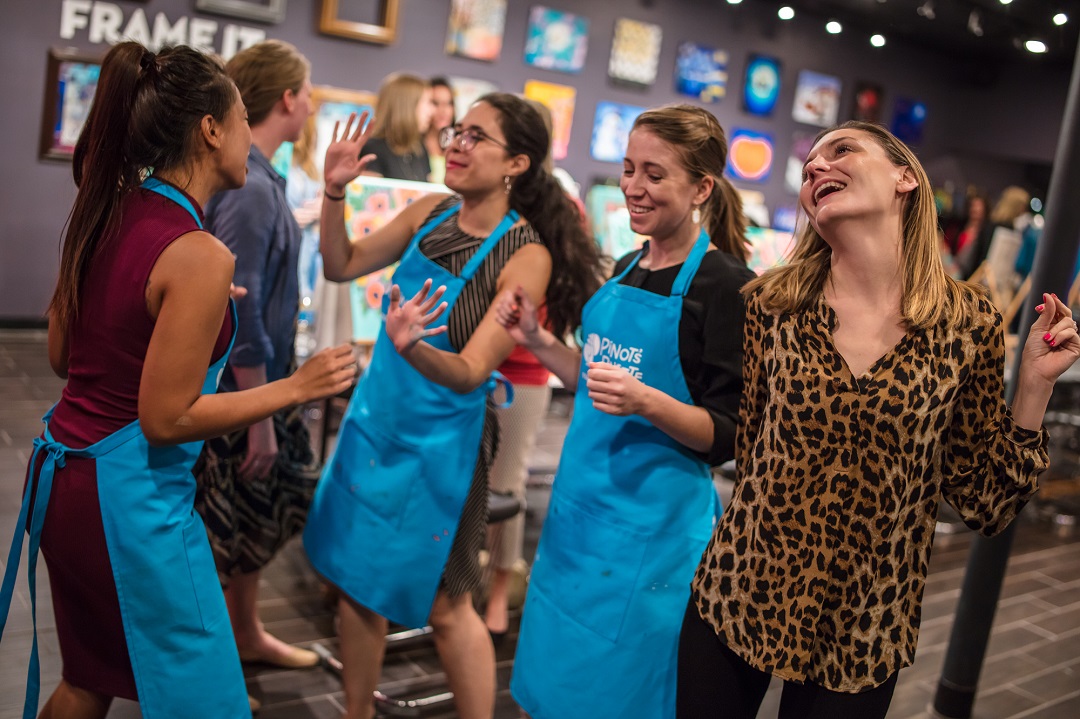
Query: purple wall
x=974, y=133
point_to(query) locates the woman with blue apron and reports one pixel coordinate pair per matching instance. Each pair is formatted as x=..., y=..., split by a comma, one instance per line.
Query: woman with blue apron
x=109, y=494
x=658, y=383
x=398, y=518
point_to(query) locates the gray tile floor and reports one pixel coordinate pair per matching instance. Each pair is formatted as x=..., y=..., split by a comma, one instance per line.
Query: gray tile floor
x=1032, y=667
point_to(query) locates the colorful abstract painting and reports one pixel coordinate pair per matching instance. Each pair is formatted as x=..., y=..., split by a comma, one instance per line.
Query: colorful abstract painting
x=909, y=116
x=556, y=40
x=611, y=130
x=609, y=220
x=801, y=144
x=559, y=99
x=635, y=52
x=867, y=104
x=762, y=86
x=370, y=203
x=467, y=91
x=701, y=72
x=750, y=155
x=817, y=99
x=768, y=247
x=476, y=28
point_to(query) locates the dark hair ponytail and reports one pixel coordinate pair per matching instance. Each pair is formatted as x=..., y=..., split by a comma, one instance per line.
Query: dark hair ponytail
x=145, y=112
x=575, y=256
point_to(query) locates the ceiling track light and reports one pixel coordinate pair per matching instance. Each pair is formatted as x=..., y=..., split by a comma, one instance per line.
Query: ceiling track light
x=833, y=28
x=1036, y=46
x=1061, y=18
x=926, y=10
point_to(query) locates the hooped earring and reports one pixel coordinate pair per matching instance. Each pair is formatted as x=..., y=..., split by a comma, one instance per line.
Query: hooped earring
x=695, y=216
x=506, y=181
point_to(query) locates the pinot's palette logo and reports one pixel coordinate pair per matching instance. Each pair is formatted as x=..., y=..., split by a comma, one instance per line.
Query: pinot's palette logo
x=602, y=349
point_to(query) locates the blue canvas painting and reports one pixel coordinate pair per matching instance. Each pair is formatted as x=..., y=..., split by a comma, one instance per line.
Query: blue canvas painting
x=556, y=40
x=701, y=72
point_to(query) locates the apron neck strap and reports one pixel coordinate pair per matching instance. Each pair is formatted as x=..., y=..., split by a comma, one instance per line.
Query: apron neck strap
x=691, y=264
x=489, y=244
x=165, y=190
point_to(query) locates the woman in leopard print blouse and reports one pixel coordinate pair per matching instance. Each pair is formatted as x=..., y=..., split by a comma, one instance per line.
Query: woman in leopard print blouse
x=872, y=388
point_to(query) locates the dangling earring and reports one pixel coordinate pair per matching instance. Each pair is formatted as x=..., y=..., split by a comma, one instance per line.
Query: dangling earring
x=506, y=181
x=695, y=216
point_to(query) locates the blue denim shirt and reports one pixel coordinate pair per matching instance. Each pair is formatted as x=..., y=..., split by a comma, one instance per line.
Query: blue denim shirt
x=258, y=226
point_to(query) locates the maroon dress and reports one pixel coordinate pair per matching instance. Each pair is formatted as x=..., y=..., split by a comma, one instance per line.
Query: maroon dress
x=107, y=343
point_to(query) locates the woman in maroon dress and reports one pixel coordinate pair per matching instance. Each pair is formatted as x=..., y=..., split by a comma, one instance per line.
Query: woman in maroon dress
x=139, y=312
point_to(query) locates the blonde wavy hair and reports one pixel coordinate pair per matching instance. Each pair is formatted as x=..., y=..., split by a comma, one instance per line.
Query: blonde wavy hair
x=395, y=112
x=929, y=296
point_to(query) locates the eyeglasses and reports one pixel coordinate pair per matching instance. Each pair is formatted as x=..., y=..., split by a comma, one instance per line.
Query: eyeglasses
x=466, y=139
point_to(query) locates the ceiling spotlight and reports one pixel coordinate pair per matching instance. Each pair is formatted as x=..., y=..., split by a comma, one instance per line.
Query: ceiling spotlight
x=927, y=10
x=1036, y=46
x=786, y=13
x=1036, y=204
x=833, y=27
x=975, y=24
x=1006, y=2
x=733, y=2
x=1061, y=18
x=877, y=40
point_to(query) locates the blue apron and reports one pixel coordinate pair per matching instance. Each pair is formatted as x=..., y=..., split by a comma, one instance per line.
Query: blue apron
x=631, y=512
x=179, y=637
x=387, y=507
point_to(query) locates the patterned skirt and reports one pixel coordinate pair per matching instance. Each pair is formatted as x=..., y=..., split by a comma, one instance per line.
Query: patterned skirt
x=248, y=522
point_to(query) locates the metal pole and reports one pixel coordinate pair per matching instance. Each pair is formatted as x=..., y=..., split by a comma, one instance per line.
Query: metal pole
x=1055, y=258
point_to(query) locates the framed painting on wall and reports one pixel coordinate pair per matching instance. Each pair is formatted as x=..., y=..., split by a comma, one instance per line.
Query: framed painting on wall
x=382, y=31
x=750, y=155
x=268, y=11
x=556, y=40
x=761, y=89
x=635, y=53
x=909, y=116
x=468, y=90
x=70, y=81
x=559, y=99
x=867, y=105
x=330, y=105
x=817, y=99
x=801, y=144
x=701, y=72
x=476, y=29
x=611, y=130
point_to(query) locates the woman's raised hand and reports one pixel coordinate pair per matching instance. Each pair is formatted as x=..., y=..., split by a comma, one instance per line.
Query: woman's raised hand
x=517, y=314
x=407, y=323
x=328, y=372
x=343, y=162
x=1052, y=344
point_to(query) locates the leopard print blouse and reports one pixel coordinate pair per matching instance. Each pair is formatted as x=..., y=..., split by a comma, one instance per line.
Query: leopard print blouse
x=816, y=570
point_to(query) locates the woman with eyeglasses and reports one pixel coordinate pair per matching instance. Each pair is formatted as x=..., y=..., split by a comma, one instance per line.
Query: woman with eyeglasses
x=399, y=516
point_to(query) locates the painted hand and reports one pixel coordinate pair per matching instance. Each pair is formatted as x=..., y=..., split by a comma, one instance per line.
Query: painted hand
x=408, y=323
x=517, y=314
x=614, y=390
x=1052, y=343
x=343, y=161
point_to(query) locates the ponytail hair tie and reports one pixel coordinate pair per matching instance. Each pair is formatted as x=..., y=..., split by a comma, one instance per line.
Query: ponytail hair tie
x=148, y=62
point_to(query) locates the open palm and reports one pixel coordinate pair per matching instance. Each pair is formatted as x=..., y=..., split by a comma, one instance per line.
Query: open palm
x=343, y=162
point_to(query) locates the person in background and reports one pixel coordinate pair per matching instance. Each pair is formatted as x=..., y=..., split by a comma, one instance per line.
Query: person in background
x=442, y=115
x=873, y=387
x=400, y=513
x=969, y=238
x=140, y=326
x=403, y=115
x=657, y=388
x=255, y=483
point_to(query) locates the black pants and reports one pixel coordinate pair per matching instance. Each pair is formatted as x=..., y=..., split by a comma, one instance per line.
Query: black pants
x=715, y=682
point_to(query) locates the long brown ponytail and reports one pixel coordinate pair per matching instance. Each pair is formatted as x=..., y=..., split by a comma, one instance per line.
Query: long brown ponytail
x=699, y=140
